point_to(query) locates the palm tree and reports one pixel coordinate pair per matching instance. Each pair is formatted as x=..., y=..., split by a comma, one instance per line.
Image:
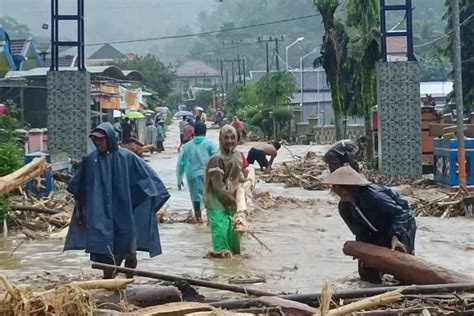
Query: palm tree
x=363, y=27
x=331, y=57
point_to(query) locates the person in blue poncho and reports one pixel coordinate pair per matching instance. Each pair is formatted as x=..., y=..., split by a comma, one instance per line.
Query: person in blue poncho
x=375, y=214
x=192, y=161
x=117, y=196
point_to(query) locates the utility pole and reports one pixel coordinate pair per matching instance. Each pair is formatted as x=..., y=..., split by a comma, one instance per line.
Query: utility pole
x=268, y=65
x=458, y=93
x=277, y=55
x=233, y=72
x=243, y=61
x=222, y=83
x=271, y=40
x=238, y=65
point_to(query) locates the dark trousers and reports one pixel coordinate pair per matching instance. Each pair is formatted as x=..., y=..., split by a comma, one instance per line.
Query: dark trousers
x=336, y=161
x=259, y=156
x=159, y=146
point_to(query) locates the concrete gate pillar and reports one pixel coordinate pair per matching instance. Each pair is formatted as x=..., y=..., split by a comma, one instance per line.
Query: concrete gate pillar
x=69, y=113
x=399, y=112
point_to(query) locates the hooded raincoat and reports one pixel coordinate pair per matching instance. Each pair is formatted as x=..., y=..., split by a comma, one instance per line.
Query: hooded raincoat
x=222, y=176
x=192, y=161
x=119, y=195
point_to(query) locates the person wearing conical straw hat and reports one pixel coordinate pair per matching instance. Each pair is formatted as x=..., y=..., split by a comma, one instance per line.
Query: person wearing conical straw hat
x=374, y=213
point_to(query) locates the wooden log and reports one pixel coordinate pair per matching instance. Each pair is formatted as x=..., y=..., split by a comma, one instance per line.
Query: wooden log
x=172, y=278
x=288, y=307
x=17, y=207
x=141, y=296
x=310, y=298
x=25, y=174
x=405, y=268
x=377, y=300
x=175, y=309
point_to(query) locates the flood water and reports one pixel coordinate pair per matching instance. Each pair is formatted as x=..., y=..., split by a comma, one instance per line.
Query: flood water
x=306, y=238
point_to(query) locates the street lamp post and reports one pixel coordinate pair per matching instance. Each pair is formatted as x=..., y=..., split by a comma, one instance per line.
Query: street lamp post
x=299, y=39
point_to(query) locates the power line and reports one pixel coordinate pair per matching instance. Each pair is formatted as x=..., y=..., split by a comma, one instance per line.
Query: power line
x=445, y=35
x=206, y=32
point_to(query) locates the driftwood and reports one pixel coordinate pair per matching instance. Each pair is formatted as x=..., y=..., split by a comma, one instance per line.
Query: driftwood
x=405, y=268
x=288, y=307
x=140, y=296
x=25, y=174
x=370, y=302
x=175, y=309
x=310, y=298
x=172, y=278
x=16, y=207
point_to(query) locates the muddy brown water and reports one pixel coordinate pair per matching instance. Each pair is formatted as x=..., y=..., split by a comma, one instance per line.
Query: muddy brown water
x=306, y=239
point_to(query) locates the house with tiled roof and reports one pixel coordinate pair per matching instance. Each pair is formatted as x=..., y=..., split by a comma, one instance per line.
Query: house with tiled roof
x=196, y=73
x=107, y=55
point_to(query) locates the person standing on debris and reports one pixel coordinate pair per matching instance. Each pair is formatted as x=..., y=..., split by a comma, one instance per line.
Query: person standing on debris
x=223, y=173
x=260, y=154
x=345, y=151
x=182, y=124
x=375, y=214
x=117, y=196
x=160, y=136
x=191, y=163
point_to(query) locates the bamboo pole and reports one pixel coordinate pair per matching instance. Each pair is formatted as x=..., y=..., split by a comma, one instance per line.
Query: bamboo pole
x=172, y=278
x=357, y=293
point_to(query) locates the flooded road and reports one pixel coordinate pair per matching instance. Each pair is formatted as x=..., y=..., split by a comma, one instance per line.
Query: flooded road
x=306, y=236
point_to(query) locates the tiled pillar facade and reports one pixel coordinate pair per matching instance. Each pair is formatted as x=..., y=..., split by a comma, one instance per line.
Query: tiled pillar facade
x=69, y=116
x=398, y=92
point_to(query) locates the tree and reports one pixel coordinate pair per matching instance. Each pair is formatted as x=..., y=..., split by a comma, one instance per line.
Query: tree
x=467, y=47
x=363, y=22
x=158, y=77
x=331, y=57
x=14, y=28
x=204, y=98
x=275, y=88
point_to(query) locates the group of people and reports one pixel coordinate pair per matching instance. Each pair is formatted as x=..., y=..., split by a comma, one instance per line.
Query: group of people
x=117, y=196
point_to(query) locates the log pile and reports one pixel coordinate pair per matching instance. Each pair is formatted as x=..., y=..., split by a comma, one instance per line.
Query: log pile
x=444, y=205
x=305, y=172
x=39, y=218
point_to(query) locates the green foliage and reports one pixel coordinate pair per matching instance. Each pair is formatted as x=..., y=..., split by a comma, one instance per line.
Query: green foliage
x=11, y=158
x=10, y=122
x=158, y=77
x=275, y=88
x=466, y=8
x=434, y=65
x=11, y=154
x=204, y=98
x=331, y=57
x=174, y=99
x=4, y=207
x=14, y=28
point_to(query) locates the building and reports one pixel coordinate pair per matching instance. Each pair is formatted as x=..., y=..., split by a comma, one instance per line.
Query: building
x=196, y=73
x=107, y=55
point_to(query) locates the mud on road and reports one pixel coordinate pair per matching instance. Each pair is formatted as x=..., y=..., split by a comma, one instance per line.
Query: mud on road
x=302, y=228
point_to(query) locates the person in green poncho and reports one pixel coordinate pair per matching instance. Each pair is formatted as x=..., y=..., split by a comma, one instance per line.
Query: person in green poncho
x=223, y=173
x=192, y=161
